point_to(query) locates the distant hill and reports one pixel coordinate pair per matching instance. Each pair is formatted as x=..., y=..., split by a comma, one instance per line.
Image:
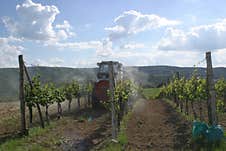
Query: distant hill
x=9, y=77
x=148, y=76
x=156, y=75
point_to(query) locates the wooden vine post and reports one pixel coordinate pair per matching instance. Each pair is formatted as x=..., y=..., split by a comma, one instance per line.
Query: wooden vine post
x=211, y=101
x=37, y=105
x=23, y=70
x=113, y=113
x=21, y=96
x=31, y=86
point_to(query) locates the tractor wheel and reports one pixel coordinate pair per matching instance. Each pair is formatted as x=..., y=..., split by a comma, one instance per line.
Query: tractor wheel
x=94, y=102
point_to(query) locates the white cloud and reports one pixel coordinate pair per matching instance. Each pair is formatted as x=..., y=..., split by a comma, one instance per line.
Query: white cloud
x=76, y=45
x=205, y=37
x=62, y=34
x=132, y=46
x=65, y=25
x=52, y=62
x=35, y=22
x=65, y=30
x=84, y=63
x=105, y=49
x=133, y=22
x=219, y=58
x=56, y=61
x=87, y=26
x=159, y=57
x=177, y=58
x=9, y=52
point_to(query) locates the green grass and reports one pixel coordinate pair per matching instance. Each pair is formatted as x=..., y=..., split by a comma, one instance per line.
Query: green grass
x=122, y=138
x=35, y=141
x=113, y=147
x=151, y=93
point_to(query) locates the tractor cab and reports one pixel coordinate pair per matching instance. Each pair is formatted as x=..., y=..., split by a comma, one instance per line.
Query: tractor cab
x=103, y=71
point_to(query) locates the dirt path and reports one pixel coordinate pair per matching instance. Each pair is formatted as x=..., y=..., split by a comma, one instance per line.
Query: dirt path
x=82, y=130
x=88, y=129
x=155, y=125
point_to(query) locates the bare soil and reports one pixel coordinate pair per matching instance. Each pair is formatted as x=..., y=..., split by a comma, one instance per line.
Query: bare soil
x=10, y=117
x=81, y=130
x=155, y=125
x=88, y=129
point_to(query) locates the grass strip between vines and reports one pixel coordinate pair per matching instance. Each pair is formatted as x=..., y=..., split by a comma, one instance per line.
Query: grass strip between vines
x=31, y=142
x=151, y=93
x=122, y=137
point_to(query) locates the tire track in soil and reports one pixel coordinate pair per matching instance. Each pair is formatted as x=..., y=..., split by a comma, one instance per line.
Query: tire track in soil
x=156, y=125
x=85, y=135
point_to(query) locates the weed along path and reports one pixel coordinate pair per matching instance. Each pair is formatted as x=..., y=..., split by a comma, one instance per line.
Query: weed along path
x=155, y=125
x=84, y=130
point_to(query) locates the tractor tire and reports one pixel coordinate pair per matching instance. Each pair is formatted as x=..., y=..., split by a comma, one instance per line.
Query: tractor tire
x=94, y=102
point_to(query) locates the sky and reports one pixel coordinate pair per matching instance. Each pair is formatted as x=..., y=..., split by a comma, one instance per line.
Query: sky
x=80, y=33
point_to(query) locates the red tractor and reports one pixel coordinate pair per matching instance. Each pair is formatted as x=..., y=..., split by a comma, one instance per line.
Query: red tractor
x=101, y=86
